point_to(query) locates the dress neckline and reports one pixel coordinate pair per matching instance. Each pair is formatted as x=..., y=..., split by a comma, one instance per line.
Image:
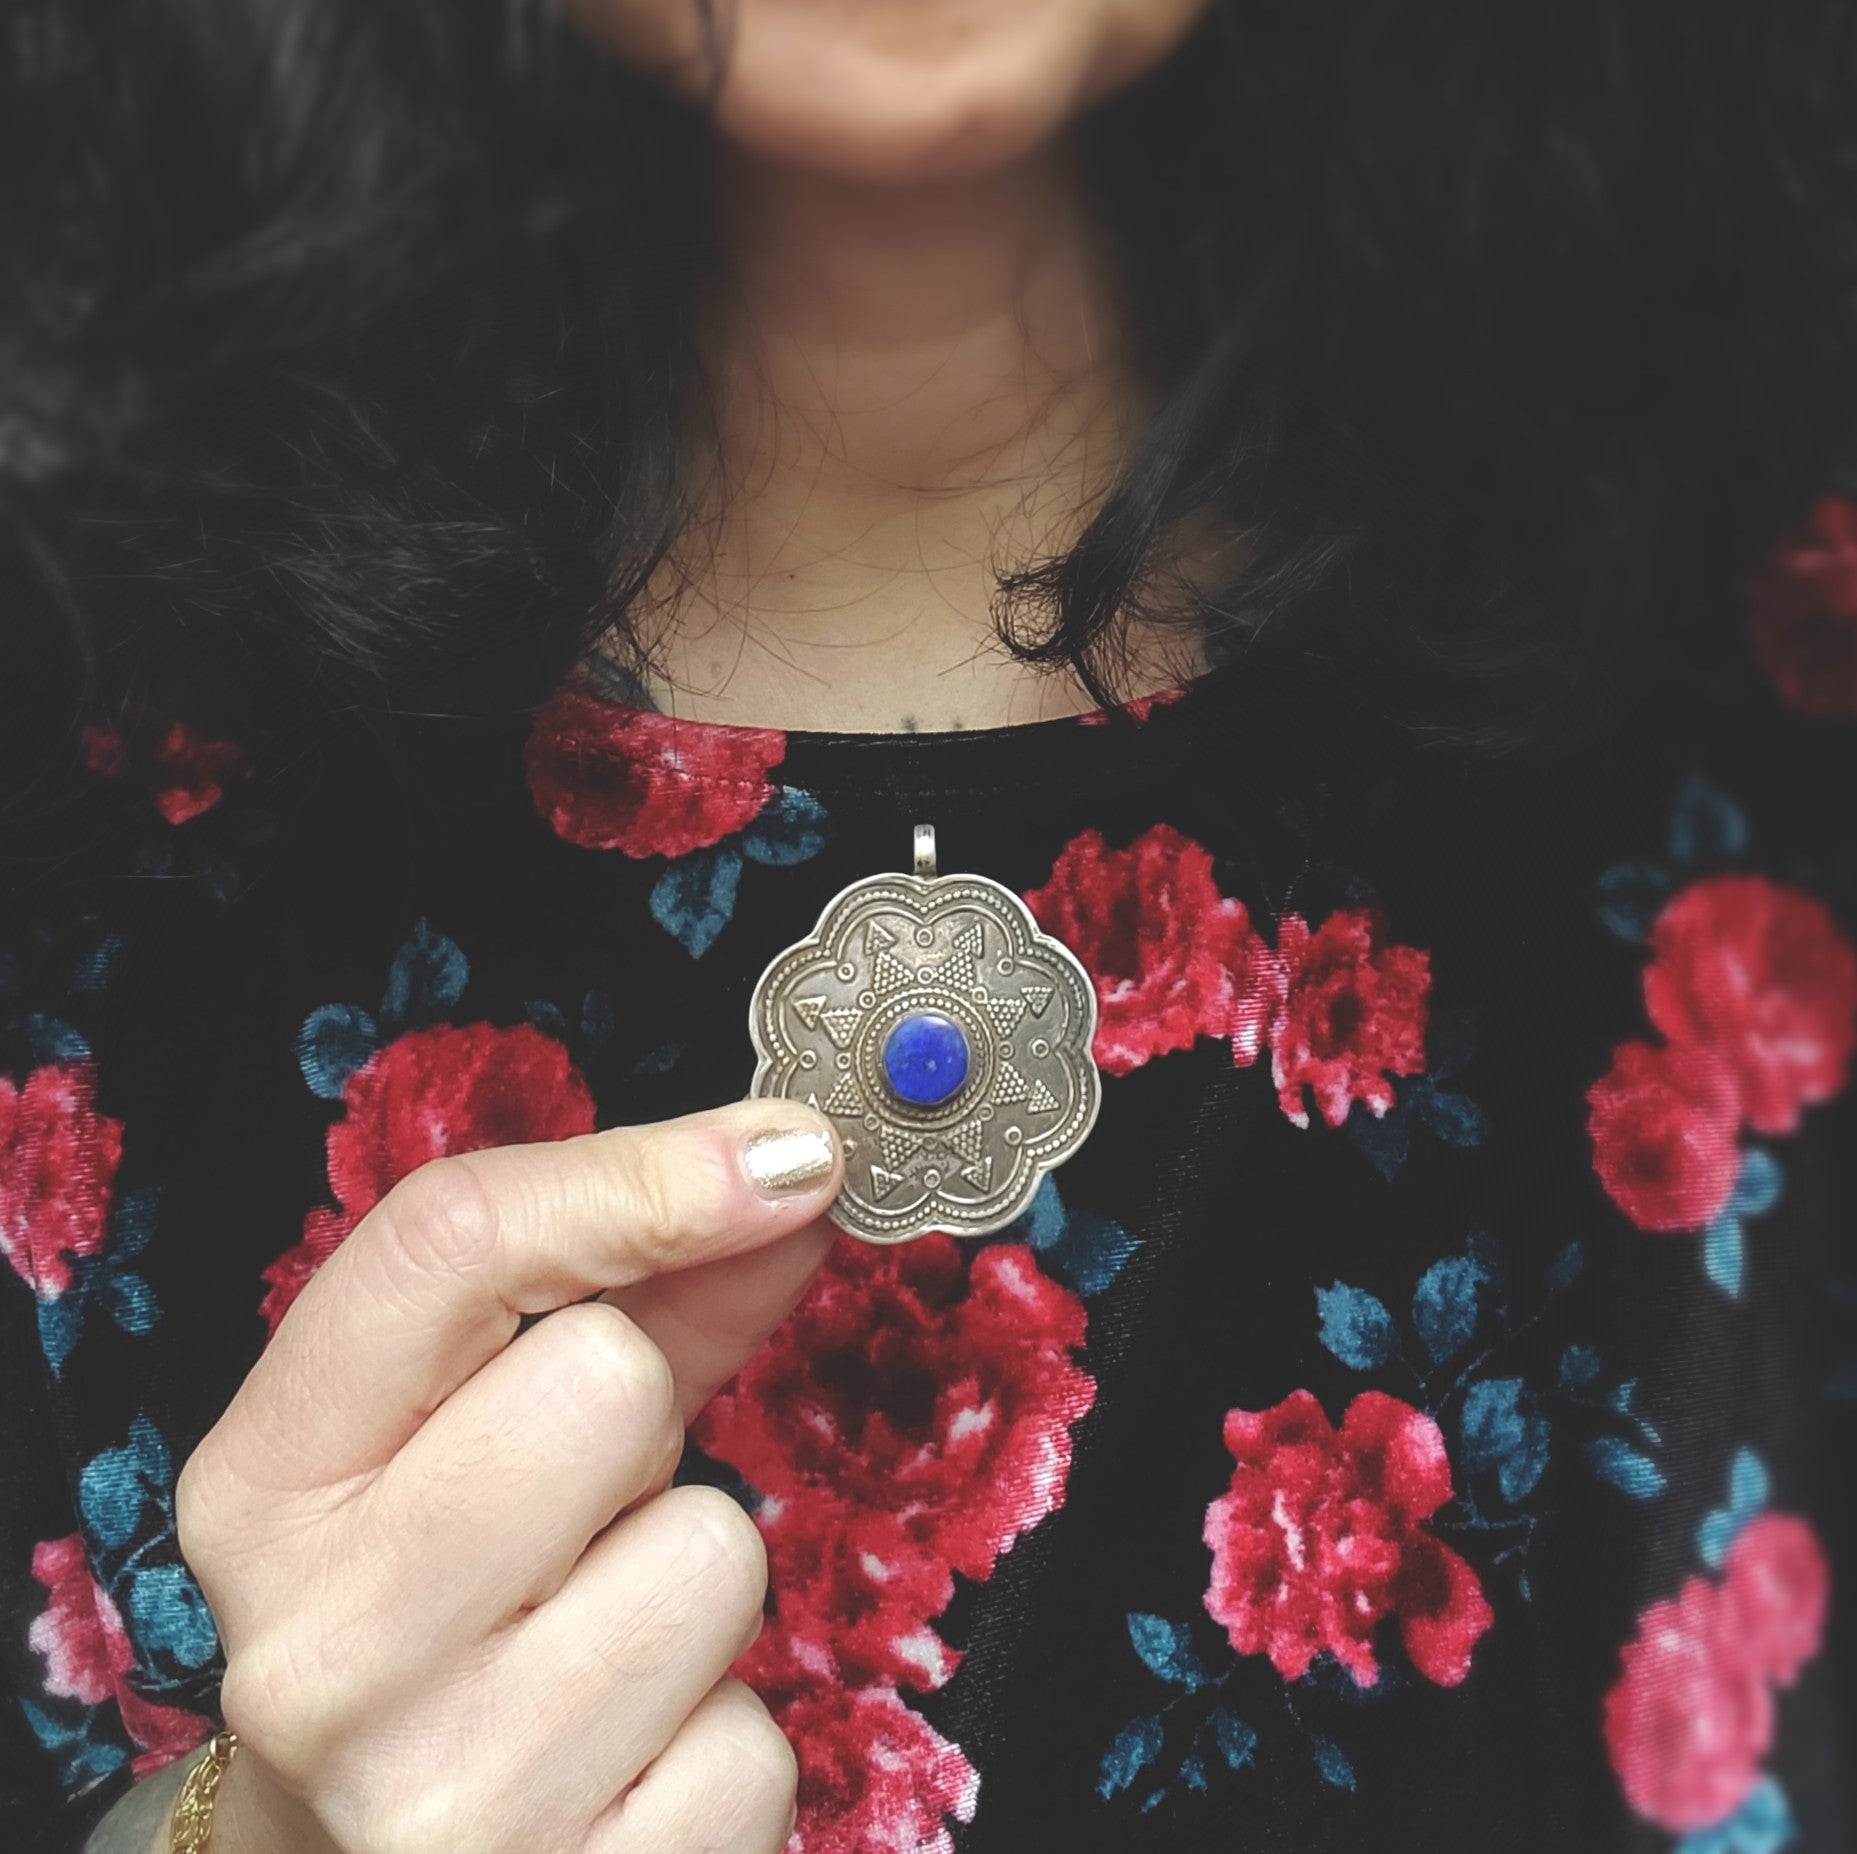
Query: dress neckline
x=963, y=769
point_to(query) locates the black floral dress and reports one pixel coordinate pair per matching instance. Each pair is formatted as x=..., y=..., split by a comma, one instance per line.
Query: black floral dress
x=1409, y=1422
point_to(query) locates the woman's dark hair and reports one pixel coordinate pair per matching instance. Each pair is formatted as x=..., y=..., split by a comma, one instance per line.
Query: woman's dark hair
x=343, y=346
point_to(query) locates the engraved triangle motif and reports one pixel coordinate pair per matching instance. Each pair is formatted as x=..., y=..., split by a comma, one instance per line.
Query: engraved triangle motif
x=971, y=940
x=877, y=937
x=807, y=1011
x=980, y=1176
x=883, y=1182
x=1005, y=1013
x=844, y=1098
x=1043, y=1101
x=958, y=971
x=891, y=974
x=841, y=1024
x=966, y=1140
x=899, y=1147
x=1038, y=996
x=1012, y=1087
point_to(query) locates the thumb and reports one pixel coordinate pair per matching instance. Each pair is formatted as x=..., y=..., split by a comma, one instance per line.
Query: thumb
x=711, y=1319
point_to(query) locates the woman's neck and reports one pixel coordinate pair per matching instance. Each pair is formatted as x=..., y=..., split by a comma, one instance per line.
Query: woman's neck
x=913, y=391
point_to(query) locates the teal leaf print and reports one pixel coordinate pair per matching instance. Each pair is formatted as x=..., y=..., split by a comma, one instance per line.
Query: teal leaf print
x=1167, y=1649
x=1386, y=1139
x=598, y=1020
x=1723, y=1252
x=694, y=897
x=1136, y=1746
x=60, y=1322
x=83, y=1759
x=1082, y=1248
x=548, y=1018
x=792, y=828
x=1331, y=1763
x=1707, y=828
x=1628, y=1469
x=659, y=1061
x=428, y=976
x=1237, y=1742
x=51, y=1039
x=129, y=1301
x=106, y=1279
x=1356, y=1327
x=91, y=972
x=1505, y=1433
x=336, y=1039
x=1444, y=1307
x=170, y=1615
x=1632, y=895
x=1489, y=1255
x=1580, y=1366
x=1454, y=1118
x=1757, y=1189
x=116, y=1485
x=1748, y=1489
x=1568, y=1267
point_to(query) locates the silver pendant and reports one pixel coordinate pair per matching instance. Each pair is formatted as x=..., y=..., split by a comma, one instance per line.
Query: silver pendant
x=945, y=1036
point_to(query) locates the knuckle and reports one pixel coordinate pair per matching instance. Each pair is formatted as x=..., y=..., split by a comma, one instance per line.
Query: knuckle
x=439, y=1219
x=651, y=1187
x=193, y=1511
x=284, y=1704
x=420, y=1820
x=758, y=1757
x=608, y=1371
x=723, y=1548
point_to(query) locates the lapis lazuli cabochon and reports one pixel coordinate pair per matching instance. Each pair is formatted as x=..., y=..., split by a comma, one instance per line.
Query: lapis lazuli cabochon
x=925, y=1058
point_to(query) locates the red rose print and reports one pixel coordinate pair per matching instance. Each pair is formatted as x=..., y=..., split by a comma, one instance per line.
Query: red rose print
x=1690, y=1717
x=1778, y=1586
x=184, y=770
x=429, y=1094
x=1663, y=1124
x=1802, y=612
x=854, y=1584
x=1760, y=975
x=1171, y=958
x=58, y=1159
x=1354, y=1012
x=80, y=1634
x=608, y=777
x=874, y=1774
x=1322, y=1536
x=1137, y=707
x=909, y=1382
x=88, y=1658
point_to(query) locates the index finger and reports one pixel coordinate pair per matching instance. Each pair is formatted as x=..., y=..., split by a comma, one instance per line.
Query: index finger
x=435, y=1279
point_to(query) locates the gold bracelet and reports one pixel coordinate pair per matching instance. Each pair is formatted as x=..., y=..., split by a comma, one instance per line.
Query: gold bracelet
x=193, y=1813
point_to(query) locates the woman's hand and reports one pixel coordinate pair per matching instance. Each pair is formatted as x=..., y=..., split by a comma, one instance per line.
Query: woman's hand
x=464, y=1610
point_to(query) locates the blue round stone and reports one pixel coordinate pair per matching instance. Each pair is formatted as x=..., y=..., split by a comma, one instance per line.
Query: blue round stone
x=925, y=1058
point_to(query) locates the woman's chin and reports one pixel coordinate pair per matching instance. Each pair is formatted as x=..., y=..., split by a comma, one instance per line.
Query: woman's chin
x=939, y=128
x=931, y=90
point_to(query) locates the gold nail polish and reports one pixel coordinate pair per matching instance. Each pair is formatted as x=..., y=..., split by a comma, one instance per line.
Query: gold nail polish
x=788, y=1159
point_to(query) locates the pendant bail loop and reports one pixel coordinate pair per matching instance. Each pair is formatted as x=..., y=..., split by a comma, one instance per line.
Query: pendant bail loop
x=925, y=849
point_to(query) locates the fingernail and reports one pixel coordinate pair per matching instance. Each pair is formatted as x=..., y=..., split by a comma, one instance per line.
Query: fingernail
x=789, y=1159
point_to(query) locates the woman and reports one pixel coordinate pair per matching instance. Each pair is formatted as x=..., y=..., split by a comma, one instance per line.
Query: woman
x=1338, y=510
